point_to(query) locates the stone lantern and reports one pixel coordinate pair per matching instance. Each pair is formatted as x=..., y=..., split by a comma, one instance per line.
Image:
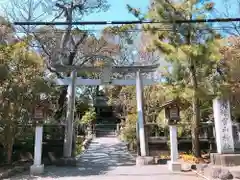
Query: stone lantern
x=172, y=116
x=172, y=112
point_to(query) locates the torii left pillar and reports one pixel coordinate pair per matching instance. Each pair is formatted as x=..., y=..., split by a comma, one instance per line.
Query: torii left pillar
x=140, y=112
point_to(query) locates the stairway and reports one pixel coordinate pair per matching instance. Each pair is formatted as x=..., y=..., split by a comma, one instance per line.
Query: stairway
x=105, y=133
x=106, y=122
x=106, y=128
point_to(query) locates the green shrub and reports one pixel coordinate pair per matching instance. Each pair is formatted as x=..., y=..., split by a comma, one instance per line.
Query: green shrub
x=88, y=117
x=79, y=139
x=128, y=133
x=78, y=149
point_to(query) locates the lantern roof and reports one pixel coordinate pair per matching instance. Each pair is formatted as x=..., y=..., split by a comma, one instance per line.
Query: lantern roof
x=181, y=103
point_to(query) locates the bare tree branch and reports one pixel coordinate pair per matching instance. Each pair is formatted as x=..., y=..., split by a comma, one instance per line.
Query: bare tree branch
x=234, y=26
x=47, y=60
x=65, y=41
x=61, y=6
x=68, y=18
x=75, y=49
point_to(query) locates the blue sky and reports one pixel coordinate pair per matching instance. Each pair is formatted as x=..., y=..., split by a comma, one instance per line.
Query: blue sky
x=118, y=10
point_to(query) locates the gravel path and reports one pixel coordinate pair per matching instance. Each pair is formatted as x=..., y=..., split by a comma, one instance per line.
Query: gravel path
x=108, y=159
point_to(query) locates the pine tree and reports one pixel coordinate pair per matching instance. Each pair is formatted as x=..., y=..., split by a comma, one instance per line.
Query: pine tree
x=192, y=49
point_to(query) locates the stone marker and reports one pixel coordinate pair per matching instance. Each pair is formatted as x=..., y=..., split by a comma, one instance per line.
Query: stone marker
x=223, y=126
x=225, y=155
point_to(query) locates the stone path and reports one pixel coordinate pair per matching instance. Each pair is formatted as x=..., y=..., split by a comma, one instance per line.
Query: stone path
x=108, y=159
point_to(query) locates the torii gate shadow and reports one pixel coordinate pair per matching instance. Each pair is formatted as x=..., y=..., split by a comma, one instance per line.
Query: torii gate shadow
x=99, y=159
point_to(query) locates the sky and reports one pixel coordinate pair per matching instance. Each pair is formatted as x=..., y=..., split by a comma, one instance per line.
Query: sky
x=118, y=10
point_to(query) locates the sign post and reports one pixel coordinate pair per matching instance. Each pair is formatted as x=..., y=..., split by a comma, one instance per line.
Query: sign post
x=37, y=167
x=172, y=115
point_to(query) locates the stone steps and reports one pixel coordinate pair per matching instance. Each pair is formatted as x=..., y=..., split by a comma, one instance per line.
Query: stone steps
x=105, y=133
x=106, y=126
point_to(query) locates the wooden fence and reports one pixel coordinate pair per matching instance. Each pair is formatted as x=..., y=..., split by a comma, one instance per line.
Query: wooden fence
x=207, y=134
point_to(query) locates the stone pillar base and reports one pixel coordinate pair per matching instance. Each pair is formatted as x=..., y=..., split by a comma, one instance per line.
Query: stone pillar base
x=225, y=159
x=37, y=169
x=144, y=160
x=71, y=161
x=174, y=166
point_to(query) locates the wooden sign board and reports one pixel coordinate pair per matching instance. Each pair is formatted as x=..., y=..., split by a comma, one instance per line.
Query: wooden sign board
x=174, y=112
x=38, y=113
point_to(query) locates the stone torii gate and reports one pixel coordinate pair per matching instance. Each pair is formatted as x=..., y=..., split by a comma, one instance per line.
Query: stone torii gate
x=107, y=71
x=106, y=79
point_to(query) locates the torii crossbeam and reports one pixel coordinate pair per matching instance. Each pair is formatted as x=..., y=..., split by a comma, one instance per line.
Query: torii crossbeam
x=117, y=69
x=95, y=82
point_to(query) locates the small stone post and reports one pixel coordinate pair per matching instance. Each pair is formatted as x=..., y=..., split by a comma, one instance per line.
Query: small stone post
x=118, y=129
x=173, y=165
x=173, y=143
x=37, y=167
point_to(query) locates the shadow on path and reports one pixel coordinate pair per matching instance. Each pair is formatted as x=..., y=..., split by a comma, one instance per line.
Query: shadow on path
x=103, y=155
x=108, y=159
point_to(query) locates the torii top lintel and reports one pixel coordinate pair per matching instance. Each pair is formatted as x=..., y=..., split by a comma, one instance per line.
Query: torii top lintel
x=117, y=69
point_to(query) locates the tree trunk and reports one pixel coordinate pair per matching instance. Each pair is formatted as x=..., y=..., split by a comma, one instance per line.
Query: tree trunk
x=9, y=153
x=195, y=127
x=8, y=142
x=195, y=100
x=61, y=102
x=196, y=117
